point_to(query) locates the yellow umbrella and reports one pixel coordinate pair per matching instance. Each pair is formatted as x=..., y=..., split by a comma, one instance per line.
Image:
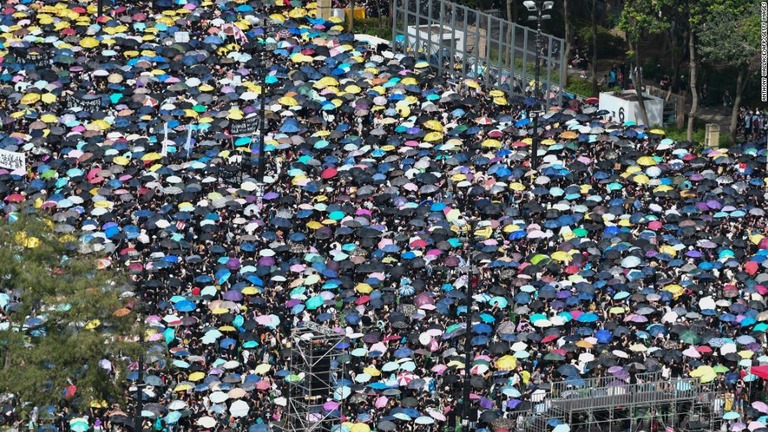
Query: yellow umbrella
x=30, y=98
x=569, y=135
x=314, y=225
x=584, y=344
x=646, y=161
x=227, y=328
x=472, y=84
x=433, y=125
x=250, y=291
x=287, y=101
x=507, y=362
x=48, y=98
x=352, y=89
x=89, y=42
x=152, y=156
x=262, y=368
x=196, y=376
x=183, y=387
x=93, y=324
x=657, y=131
x=517, y=186
x=500, y=101
x=121, y=160
x=675, y=289
x=496, y=93
x=433, y=137
x=372, y=371
x=49, y=118
x=561, y=256
x=491, y=143
x=363, y=288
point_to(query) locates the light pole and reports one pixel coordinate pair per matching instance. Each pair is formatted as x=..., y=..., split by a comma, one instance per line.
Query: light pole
x=537, y=8
x=262, y=127
x=471, y=282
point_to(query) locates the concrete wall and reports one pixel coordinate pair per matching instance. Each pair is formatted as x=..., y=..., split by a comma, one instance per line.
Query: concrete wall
x=623, y=110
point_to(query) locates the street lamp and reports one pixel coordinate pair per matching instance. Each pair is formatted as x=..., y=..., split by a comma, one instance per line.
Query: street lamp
x=262, y=125
x=472, y=281
x=537, y=8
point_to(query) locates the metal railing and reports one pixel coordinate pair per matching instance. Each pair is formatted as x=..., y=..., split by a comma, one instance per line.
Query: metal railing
x=472, y=44
x=572, y=388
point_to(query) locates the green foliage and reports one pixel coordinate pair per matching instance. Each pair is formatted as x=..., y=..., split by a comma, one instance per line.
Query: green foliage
x=75, y=303
x=579, y=86
x=380, y=27
x=608, y=44
x=732, y=39
x=699, y=135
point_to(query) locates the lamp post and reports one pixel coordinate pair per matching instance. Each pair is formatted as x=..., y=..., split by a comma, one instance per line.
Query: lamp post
x=537, y=8
x=471, y=282
x=262, y=129
x=138, y=420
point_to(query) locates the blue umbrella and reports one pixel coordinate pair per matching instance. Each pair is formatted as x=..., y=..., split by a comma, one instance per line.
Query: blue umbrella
x=185, y=306
x=589, y=317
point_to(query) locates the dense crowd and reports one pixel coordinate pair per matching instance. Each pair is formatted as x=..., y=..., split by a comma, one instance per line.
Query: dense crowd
x=622, y=253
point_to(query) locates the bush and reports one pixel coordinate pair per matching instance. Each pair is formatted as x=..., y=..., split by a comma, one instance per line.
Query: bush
x=579, y=86
x=380, y=27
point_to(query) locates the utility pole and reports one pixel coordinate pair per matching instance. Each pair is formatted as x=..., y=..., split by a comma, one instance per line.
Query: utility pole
x=471, y=281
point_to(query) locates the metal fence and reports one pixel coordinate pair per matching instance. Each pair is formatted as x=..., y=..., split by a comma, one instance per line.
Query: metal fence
x=477, y=45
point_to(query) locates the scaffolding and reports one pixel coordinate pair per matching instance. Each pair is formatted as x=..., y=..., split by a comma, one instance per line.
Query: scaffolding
x=313, y=359
x=685, y=404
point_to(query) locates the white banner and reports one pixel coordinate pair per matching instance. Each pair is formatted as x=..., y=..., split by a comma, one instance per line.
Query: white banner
x=13, y=161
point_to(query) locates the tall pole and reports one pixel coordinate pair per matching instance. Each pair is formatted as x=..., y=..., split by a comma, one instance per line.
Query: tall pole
x=139, y=403
x=100, y=5
x=536, y=94
x=262, y=127
x=467, y=335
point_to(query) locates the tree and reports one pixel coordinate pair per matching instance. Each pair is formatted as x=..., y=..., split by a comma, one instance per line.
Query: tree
x=733, y=39
x=568, y=40
x=595, y=88
x=60, y=320
x=639, y=18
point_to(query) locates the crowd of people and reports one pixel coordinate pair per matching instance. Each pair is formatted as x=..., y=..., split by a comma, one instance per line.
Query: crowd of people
x=388, y=191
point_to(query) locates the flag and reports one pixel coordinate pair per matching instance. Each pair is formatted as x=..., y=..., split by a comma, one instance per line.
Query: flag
x=150, y=102
x=238, y=34
x=164, y=152
x=188, y=145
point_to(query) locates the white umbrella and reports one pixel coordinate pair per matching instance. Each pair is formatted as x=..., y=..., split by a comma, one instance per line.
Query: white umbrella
x=239, y=408
x=206, y=422
x=218, y=397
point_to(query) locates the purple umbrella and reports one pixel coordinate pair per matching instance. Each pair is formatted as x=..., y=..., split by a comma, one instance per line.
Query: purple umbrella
x=233, y=296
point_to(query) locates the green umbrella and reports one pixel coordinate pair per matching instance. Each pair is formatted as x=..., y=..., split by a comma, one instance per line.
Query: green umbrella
x=690, y=337
x=536, y=259
x=580, y=232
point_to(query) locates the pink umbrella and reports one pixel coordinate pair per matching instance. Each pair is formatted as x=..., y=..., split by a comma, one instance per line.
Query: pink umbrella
x=331, y=405
x=381, y=402
x=760, y=406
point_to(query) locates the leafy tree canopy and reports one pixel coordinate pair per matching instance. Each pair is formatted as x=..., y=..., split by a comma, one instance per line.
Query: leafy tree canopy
x=63, y=327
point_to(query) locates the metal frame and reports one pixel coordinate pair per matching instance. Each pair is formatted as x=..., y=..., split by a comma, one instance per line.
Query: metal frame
x=494, y=51
x=597, y=407
x=312, y=344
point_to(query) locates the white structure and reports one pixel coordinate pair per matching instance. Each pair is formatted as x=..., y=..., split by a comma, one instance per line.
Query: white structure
x=435, y=37
x=623, y=106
